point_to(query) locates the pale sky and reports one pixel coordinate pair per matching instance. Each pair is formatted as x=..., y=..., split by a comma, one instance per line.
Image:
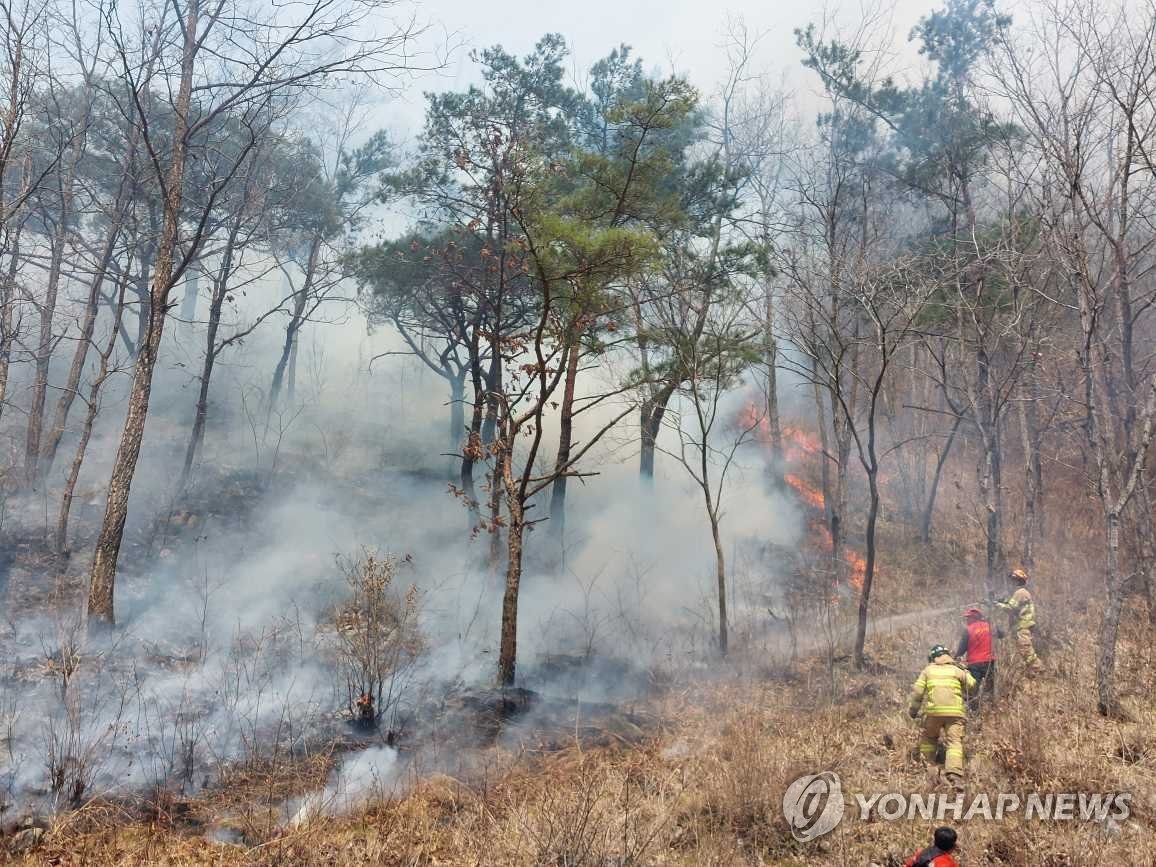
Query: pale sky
x=684, y=36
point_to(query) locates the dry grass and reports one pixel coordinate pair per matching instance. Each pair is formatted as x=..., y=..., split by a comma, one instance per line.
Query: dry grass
x=709, y=790
x=705, y=788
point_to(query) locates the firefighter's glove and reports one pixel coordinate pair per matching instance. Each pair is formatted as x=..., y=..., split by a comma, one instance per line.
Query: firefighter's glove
x=913, y=712
x=999, y=633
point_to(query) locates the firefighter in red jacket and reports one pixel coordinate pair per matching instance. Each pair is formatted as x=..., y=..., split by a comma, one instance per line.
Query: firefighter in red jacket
x=937, y=854
x=976, y=650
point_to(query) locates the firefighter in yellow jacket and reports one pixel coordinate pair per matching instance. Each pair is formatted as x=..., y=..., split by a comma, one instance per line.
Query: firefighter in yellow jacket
x=1022, y=613
x=942, y=685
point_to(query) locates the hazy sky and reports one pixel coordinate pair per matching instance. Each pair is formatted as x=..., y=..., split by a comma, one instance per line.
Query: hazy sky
x=685, y=36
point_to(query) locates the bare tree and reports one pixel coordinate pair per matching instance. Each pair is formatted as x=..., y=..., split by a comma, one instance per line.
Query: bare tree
x=708, y=442
x=25, y=162
x=242, y=62
x=1085, y=97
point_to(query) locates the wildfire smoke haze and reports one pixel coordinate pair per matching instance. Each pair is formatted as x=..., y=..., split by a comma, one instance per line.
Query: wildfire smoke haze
x=801, y=459
x=460, y=440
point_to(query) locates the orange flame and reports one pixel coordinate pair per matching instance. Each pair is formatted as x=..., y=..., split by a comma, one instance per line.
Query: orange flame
x=813, y=497
x=800, y=451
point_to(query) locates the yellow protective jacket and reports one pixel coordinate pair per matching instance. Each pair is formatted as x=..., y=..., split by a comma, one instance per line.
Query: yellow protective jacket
x=1020, y=608
x=943, y=684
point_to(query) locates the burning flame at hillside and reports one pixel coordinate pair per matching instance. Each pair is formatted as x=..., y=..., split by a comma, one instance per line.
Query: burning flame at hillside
x=802, y=454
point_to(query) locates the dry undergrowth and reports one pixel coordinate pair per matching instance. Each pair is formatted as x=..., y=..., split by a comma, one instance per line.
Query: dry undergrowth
x=706, y=788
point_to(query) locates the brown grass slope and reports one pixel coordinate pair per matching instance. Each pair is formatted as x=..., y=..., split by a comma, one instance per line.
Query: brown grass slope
x=705, y=788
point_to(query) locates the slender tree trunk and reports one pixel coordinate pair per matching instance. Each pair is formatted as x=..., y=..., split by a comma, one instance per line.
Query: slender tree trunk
x=869, y=568
x=192, y=291
x=921, y=392
x=472, y=452
x=216, y=305
x=80, y=356
x=92, y=409
x=565, y=437
x=457, y=412
x=291, y=370
x=929, y=508
x=1110, y=626
x=990, y=481
x=496, y=523
x=995, y=560
x=721, y=579
x=493, y=389
x=7, y=326
x=296, y=319
x=489, y=428
x=652, y=412
x=824, y=436
x=515, y=529
x=144, y=290
x=774, y=424
x=838, y=503
x=46, y=344
x=102, y=579
x=1029, y=427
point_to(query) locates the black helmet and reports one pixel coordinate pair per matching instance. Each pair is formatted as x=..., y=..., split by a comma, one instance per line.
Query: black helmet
x=938, y=650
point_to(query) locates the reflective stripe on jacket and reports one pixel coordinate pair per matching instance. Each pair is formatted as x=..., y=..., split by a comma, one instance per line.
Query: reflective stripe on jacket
x=942, y=684
x=1021, y=609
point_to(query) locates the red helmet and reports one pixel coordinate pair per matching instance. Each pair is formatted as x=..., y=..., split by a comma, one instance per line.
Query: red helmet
x=972, y=612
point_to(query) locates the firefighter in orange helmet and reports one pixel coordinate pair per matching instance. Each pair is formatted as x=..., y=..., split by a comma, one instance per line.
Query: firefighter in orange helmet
x=1022, y=615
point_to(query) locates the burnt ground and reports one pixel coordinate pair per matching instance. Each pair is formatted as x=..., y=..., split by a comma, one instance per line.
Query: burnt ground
x=443, y=726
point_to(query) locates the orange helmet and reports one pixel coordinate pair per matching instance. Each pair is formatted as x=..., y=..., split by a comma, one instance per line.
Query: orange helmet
x=972, y=612
x=1018, y=575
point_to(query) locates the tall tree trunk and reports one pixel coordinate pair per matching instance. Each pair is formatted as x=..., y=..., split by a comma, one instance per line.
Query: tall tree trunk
x=493, y=390
x=296, y=319
x=650, y=423
x=991, y=475
x=46, y=343
x=192, y=290
x=838, y=503
x=91, y=411
x=216, y=305
x=933, y=491
x=515, y=529
x=291, y=370
x=457, y=412
x=565, y=441
x=825, y=460
x=102, y=579
x=7, y=326
x=1033, y=473
x=721, y=580
x=496, y=523
x=774, y=424
x=472, y=449
x=489, y=429
x=80, y=356
x=1110, y=626
x=651, y=414
x=869, y=568
x=144, y=290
